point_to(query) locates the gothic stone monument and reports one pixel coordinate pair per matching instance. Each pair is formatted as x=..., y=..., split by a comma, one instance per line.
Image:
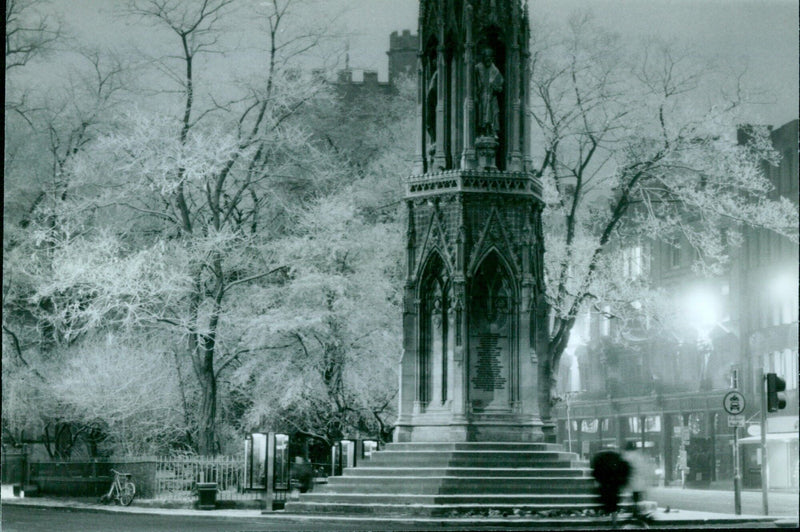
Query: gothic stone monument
x=474, y=289
x=466, y=439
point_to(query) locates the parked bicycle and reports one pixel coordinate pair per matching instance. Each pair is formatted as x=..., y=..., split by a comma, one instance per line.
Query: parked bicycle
x=122, y=489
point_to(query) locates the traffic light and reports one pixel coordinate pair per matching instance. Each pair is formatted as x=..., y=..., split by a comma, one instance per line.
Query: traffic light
x=776, y=400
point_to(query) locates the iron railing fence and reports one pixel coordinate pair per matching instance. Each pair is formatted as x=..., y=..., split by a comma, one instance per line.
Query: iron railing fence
x=176, y=478
x=156, y=477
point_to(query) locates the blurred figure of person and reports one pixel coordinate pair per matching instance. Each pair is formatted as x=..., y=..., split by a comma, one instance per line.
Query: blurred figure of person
x=302, y=475
x=611, y=472
x=637, y=478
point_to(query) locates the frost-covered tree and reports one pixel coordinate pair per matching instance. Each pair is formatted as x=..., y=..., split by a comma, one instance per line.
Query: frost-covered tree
x=636, y=145
x=162, y=225
x=333, y=327
x=46, y=128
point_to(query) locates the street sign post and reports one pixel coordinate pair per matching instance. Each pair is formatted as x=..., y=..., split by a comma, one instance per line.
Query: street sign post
x=734, y=404
x=736, y=421
x=764, y=462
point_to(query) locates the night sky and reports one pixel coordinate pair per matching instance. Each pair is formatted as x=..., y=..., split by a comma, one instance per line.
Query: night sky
x=760, y=35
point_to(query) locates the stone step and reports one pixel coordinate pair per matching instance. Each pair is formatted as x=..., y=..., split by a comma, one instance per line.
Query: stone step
x=435, y=479
x=456, y=485
x=486, y=462
x=476, y=453
x=474, y=446
x=365, y=469
x=461, y=498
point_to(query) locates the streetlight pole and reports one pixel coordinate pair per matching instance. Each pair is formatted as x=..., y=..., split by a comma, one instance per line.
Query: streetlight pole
x=737, y=476
x=568, y=399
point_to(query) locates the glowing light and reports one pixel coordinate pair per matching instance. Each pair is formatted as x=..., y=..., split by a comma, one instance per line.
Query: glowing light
x=702, y=308
x=783, y=285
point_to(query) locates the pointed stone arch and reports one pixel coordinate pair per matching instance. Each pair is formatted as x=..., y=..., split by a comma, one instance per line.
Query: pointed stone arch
x=508, y=265
x=435, y=241
x=494, y=237
x=434, y=293
x=493, y=332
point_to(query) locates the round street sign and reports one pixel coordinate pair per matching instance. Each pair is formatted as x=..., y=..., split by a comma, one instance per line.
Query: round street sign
x=733, y=403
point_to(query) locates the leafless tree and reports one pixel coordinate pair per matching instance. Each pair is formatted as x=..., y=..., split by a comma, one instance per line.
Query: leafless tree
x=29, y=34
x=632, y=150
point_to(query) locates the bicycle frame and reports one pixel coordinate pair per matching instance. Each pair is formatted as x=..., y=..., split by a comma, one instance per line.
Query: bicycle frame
x=122, y=489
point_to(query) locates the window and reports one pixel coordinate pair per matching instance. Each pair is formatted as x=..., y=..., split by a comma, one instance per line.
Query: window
x=652, y=424
x=758, y=236
x=674, y=254
x=775, y=312
x=632, y=262
x=605, y=321
x=589, y=425
x=725, y=292
x=784, y=364
x=790, y=359
x=786, y=367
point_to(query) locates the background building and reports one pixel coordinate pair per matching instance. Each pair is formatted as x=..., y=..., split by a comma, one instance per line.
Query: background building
x=665, y=389
x=353, y=83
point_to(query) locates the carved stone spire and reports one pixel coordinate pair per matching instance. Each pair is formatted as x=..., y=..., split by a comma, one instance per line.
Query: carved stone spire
x=475, y=99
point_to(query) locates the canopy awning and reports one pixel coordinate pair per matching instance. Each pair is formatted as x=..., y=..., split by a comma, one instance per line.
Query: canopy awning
x=773, y=436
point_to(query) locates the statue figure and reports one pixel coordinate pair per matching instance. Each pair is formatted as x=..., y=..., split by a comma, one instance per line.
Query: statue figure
x=489, y=83
x=430, y=106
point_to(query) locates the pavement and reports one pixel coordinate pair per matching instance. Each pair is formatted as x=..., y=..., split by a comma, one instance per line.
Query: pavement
x=661, y=518
x=781, y=502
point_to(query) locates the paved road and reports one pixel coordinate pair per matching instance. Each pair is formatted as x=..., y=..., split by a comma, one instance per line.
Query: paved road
x=31, y=519
x=784, y=504
x=69, y=519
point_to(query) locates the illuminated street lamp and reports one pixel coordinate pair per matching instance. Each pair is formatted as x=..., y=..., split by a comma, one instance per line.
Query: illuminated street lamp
x=702, y=311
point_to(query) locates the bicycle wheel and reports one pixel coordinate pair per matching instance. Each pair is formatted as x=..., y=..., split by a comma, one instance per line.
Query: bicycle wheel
x=127, y=493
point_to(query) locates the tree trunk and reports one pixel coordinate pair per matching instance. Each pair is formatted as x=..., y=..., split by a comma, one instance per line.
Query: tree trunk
x=549, y=363
x=545, y=405
x=208, y=411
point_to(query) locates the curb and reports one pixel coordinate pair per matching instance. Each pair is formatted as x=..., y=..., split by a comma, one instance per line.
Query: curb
x=71, y=506
x=547, y=523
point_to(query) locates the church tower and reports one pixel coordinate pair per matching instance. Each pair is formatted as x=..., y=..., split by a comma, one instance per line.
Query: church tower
x=474, y=294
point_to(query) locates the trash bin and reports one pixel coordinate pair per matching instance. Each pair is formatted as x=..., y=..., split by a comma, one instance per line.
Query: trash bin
x=207, y=495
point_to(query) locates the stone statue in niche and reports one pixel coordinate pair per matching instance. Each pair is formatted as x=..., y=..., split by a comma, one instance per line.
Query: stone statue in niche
x=489, y=83
x=430, y=106
x=436, y=312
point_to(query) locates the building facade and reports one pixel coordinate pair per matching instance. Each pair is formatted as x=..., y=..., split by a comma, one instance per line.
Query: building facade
x=402, y=55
